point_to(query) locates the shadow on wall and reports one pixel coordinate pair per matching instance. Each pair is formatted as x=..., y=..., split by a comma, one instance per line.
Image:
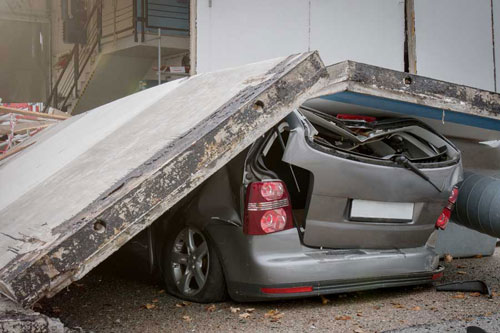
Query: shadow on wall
x=24, y=61
x=116, y=76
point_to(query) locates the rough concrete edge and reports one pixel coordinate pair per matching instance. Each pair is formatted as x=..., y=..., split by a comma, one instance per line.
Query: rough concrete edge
x=14, y=318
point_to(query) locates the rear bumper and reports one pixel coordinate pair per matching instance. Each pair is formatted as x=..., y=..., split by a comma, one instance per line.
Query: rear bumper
x=280, y=261
x=251, y=292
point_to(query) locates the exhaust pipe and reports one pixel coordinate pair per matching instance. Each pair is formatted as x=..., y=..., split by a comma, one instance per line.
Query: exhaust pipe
x=478, y=204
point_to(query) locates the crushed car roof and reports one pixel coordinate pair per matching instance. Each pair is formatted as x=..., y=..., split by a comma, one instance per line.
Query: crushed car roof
x=92, y=182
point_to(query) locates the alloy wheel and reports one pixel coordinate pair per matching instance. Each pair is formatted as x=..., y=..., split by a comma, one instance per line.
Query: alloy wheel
x=190, y=261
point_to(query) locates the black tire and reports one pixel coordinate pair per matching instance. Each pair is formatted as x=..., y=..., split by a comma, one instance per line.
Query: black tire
x=214, y=288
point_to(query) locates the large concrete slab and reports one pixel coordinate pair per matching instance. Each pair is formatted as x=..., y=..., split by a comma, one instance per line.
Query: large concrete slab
x=91, y=183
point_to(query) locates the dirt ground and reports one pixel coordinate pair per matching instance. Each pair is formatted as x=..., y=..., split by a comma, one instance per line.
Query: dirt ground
x=118, y=296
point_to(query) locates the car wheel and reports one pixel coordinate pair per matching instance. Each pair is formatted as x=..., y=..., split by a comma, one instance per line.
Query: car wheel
x=191, y=267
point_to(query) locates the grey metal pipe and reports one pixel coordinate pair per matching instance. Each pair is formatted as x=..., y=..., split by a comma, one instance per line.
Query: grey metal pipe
x=478, y=204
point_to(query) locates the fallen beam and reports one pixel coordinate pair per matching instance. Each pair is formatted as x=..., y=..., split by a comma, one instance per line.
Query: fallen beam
x=5, y=110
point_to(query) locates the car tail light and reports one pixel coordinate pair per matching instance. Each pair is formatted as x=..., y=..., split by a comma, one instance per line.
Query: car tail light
x=454, y=195
x=267, y=208
x=437, y=276
x=444, y=218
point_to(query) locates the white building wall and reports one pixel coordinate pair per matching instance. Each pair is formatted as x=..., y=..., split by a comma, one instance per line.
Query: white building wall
x=365, y=31
x=235, y=32
x=454, y=38
x=496, y=30
x=454, y=41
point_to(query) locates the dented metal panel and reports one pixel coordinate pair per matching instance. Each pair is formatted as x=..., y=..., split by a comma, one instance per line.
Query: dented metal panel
x=74, y=210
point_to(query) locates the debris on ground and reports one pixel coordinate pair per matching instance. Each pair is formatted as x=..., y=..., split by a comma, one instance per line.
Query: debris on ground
x=343, y=317
x=474, y=286
x=448, y=258
x=19, y=122
x=274, y=315
x=210, y=308
x=149, y=306
x=244, y=315
x=370, y=311
x=14, y=318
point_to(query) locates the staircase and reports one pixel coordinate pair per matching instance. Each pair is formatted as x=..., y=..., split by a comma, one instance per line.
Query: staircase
x=79, y=64
x=120, y=49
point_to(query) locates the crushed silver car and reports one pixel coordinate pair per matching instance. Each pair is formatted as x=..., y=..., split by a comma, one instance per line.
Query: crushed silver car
x=322, y=203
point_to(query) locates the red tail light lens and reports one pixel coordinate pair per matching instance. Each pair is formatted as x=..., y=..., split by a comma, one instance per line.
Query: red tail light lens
x=267, y=208
x=454, y=195
x=444, y=218
x=271, y=190
x=273, y=220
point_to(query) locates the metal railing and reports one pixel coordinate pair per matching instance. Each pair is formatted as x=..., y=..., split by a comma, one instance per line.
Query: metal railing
x=117, y=22
x=66, y=84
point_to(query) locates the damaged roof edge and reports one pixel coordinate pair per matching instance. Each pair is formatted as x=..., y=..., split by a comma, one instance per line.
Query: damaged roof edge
x=400, y=86
x=147, y=192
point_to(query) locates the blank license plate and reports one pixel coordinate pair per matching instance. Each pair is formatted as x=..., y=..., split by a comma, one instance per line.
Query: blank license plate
x=380, y=211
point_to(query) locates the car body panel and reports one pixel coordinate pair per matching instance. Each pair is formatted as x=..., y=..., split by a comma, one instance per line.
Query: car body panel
x=280, y=260
x=338, y=180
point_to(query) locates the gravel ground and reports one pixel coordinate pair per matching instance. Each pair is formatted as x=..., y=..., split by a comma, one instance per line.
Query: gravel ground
x=118, y=297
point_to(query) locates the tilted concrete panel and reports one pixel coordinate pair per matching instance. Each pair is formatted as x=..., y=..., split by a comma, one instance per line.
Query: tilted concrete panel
x=93, y=182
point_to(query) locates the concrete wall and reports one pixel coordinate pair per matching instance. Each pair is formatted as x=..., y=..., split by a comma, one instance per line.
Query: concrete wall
x=24, y=50
x=234, y=32
x=24, y=61
x=454, y=38
x=115, y=76
x=365, y=31
x=496, y=31
x=454, y=41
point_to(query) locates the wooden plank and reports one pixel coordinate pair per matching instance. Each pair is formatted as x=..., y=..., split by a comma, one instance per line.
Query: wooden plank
x=19, y=128
x=15, y=150
x=5, y=110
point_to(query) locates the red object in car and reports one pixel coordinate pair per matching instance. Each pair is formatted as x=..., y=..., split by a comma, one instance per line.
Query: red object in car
x=305, y=289
x=444, y=218
x=267, y=208
x=454, y=195
x=346, y=116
